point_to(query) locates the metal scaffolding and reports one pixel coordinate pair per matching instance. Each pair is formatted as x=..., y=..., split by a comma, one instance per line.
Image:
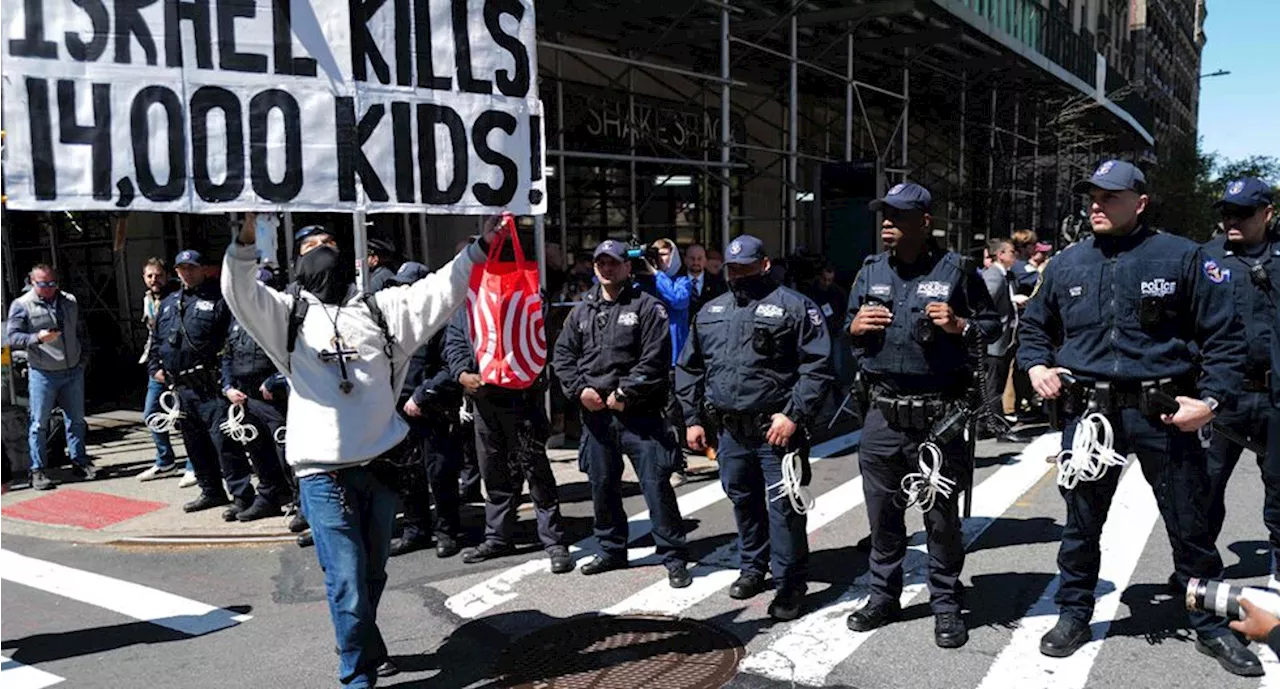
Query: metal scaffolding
x=902, y=86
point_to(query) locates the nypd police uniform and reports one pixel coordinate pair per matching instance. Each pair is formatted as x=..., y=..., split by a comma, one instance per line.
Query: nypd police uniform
x=247, y=368
x=915, y=373
x=1253, y=273
x=190, y=331
x=1126, y=314
x=752, y=353
x=623, y=347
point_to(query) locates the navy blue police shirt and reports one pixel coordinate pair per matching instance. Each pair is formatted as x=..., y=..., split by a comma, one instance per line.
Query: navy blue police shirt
x=191, y=330
x=245, y=366
x=622, y=345
x=768, y=352
x=1087, y=315
x=1254, y=295
x=896, y=357
x=429, y=381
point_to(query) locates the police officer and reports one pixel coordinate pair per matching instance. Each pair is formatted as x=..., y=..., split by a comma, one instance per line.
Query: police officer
x=612, y=358
x=914, y=313
x=1132, y=307
x=1247, y=258
x=190, y=331
x=429, y=401
x=511, y=432
x=759, y=357
x=251, y=382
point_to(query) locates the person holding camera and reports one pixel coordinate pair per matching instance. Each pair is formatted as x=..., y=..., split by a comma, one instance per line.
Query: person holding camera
x=758, y=363
x=914, y=314
x=1247, y=257
x=612, y=357
x=1141, y=325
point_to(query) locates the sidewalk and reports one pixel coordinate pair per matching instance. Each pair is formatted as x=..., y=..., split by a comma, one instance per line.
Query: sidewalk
x=117, y=507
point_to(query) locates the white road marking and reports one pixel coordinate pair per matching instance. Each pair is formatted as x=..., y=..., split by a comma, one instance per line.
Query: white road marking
x=127, y=598
x=807, y=651
x=15, y=675
x=1271, y=665
x=501, y=588
x=720, y=568
x=1129, y=523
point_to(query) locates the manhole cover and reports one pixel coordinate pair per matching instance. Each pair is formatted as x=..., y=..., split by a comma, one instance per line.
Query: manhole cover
x=602, y=652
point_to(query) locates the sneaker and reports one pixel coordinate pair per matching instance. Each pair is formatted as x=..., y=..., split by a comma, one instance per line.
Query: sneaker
x=678, y=479
x=188, y=479
x=41, y=482
x=156, y=471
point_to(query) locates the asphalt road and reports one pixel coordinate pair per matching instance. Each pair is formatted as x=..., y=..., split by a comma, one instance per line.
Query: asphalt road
x=130, y=616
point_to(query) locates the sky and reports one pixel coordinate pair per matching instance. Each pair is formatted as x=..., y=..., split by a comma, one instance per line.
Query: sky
x=1240, y=111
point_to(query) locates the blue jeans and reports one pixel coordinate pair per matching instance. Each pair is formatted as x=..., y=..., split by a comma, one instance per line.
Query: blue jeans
x=49, y=389
x=352, y=515
x=164, y=450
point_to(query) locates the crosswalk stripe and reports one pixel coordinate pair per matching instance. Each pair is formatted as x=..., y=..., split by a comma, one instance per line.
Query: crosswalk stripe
x=15, y=675
x=808, y=651
x=1129, y=523
x=719, y=569
x=127, y=598
x=501, y=588
x=1271, y=664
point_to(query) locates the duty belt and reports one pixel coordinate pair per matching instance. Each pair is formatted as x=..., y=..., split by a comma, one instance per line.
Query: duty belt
x=1258, y=382
x=911, y=412
x=198, y=378
x=748, y=423
x=1107, y=397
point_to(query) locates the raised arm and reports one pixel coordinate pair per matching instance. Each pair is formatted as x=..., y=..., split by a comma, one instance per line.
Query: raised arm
x=262, y=311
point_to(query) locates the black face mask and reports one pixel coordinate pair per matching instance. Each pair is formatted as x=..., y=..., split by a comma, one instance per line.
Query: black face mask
x=750, y=287
x=324, y=273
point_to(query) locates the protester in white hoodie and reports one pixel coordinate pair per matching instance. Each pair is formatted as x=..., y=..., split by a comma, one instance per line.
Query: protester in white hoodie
x=344, y=377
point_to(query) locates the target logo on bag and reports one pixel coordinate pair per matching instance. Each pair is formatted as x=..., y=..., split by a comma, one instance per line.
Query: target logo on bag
x=505, y=307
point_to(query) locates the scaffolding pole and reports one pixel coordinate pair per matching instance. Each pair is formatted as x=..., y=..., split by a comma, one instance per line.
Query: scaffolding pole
x=561, y=170
x=633, y=213
x=967, y=237
x=725, y=188
x=906, y=104
x=848, y=99
x=793, y=137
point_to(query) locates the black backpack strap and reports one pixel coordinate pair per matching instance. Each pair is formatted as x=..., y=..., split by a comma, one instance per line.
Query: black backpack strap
x=390, y=342
x=297, y=314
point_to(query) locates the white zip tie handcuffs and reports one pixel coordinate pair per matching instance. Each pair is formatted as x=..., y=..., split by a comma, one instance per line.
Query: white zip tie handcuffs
x=922, y=488
x=280, y=435
x=165, y=421
x=1092, y=452
x=791, y=486
x=236, y=428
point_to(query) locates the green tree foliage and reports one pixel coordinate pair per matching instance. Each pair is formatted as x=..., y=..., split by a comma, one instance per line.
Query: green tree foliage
x=1188, y=180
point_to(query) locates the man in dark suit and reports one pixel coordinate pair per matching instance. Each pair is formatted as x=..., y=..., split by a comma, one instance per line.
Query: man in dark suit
x=705, y=286
x=1002, y=284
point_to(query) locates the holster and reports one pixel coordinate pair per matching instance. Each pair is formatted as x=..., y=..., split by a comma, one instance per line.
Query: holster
x=911, y=413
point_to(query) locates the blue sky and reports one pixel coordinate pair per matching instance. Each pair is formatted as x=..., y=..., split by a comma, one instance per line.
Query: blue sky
x=1240, y=112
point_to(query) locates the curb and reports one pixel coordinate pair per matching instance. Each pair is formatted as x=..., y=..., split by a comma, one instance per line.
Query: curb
x=203, y=540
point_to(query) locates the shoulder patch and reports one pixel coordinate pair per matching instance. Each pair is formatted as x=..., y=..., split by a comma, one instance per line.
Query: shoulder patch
x=815, y=316
x=717, y=308
x=662, y=310
x=769, y=311
x=1216, y=274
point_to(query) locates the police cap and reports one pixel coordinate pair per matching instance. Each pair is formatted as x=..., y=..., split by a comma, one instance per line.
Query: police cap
x=1246, y=192
x=744, y=250
x=906, y=196
x=1114, y=175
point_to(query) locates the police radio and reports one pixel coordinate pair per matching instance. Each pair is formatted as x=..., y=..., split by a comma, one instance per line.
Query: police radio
x=1258, y=275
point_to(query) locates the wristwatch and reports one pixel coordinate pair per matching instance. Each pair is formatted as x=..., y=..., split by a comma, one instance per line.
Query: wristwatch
x=1212, y=402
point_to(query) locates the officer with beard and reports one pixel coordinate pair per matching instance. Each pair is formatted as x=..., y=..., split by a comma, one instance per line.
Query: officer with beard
x=757, y=362
x=914, y=313
x=1129, y=312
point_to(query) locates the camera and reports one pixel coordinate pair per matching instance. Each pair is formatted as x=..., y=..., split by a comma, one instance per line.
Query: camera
x=643, y=257
x=924, y=331
x=1223, y=599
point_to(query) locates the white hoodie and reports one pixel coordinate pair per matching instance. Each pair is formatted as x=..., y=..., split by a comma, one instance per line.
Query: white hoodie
x=329, y=429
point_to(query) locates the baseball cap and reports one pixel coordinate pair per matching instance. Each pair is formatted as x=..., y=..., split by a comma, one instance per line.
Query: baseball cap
x=610, y=247
x=745, y=249
x=1114, y=175
x=308, y=231
x=409, y=273
x=1246, y=192
x=381, y=248
x=906, y=196
x=190, y=256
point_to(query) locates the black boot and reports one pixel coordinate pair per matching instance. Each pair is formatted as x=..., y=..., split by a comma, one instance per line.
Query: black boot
x=873, y=615
x=949, y=630
x=407, y=544
x=260, y=509
x=747, y=586
x=1232, y=655
x=446, y=546
x=298, y=523
x=1066, y=637
x=206, y=502
x=786, y=604
x=231, y=513
x=603, y=563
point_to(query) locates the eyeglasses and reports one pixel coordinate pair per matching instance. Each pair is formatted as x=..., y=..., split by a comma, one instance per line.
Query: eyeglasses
x=46, y=283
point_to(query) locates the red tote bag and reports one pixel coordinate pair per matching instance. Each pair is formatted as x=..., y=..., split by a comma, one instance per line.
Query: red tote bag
x=505, y=306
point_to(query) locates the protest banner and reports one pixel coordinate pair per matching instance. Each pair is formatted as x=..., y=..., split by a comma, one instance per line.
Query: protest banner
x=209, y=106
